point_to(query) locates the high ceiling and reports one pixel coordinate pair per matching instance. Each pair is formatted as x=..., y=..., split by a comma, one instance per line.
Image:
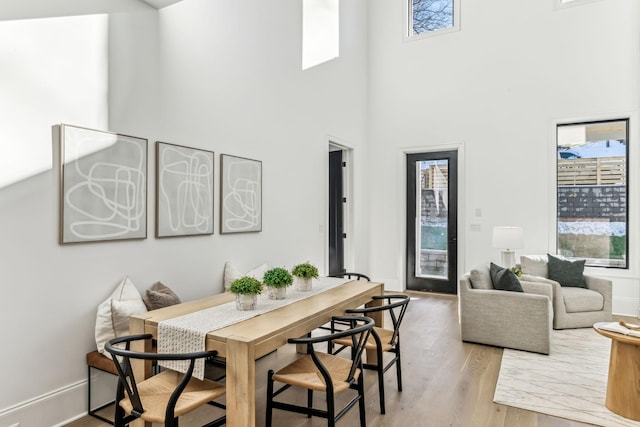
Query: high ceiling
x=25, y=9
x=159, y=4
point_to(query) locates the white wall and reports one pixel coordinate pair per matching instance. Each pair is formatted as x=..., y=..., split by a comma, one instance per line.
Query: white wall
x=495, y=89
x=233, y=84
x=224, y=76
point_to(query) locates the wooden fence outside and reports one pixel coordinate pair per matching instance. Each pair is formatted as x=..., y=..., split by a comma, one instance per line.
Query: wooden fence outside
x=600, y=171
x=435, y=176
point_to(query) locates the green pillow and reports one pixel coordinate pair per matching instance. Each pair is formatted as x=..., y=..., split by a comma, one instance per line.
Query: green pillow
x=567, y=273
x=504, y=279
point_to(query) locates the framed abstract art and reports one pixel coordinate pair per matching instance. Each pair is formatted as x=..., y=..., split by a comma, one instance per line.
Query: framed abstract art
x=240, y=194
x=103, y=185
x=184, y=190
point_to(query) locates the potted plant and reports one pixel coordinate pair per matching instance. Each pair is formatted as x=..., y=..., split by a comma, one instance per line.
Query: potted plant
x=303, y=274
x=246, y=290
x=277, y=279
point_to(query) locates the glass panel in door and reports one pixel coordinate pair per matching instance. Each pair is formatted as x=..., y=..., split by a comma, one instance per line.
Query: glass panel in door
x=432, y=214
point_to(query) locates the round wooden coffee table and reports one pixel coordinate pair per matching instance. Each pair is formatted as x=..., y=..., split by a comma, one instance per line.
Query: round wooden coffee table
x=623, y=384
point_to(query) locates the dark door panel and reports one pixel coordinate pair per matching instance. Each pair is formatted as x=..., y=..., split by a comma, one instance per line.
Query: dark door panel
x=432, y=247
x=336, y=216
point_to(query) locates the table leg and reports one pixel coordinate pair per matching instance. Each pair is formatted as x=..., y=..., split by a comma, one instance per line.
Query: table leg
x=624, y=376
x=141, y=368
x=241, y=383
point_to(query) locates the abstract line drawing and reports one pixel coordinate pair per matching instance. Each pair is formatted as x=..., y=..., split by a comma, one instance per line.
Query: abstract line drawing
x=184, y=197
x=103, y=186
x=240, y=195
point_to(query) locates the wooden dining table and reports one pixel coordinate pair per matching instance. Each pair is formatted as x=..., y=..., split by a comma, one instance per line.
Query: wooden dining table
x=244, y=342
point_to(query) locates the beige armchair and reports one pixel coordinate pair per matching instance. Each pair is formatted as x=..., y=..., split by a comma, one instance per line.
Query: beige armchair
x=518, y=320
x=572, y=307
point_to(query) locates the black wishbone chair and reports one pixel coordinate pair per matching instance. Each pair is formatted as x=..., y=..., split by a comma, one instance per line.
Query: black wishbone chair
x=323, y=372
x=356, y=276
x=381, y=340
x=345, y=275
x=165, y=396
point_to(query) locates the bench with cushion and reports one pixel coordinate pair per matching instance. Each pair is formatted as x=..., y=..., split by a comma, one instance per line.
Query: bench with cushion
x=96, y=360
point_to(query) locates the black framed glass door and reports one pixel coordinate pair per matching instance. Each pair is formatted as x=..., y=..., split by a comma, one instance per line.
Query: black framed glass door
x=432, y=221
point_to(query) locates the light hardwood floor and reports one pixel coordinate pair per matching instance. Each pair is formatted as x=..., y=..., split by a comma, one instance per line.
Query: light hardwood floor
x=446, y=382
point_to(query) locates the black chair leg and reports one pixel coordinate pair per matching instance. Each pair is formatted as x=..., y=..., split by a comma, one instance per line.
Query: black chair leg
x=363, y=421
x=269, y=398
x=331, y=410
x=120, y=415
x=398, y=367
x=381, y=386
x=309, y=401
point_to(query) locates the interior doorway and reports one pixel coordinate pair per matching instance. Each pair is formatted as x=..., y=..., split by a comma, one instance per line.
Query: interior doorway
x=432, y=221
x=337, y=201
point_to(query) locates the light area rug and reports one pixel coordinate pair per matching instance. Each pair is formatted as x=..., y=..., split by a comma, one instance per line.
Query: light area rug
x=570, y=383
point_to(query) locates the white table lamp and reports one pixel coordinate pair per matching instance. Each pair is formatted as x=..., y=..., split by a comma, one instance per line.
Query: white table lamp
x=507, y=239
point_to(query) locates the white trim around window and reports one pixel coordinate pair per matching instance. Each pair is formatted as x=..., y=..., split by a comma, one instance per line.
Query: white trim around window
x=407, y=23
x=564, y=4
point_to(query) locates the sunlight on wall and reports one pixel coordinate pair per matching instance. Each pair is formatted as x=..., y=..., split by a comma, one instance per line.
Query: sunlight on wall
x=52, y=71
x=320, y=31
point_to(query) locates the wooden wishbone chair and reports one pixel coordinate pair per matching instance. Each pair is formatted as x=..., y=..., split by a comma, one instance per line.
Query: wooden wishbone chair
x=346, y=275
x=381, y=340
x=323, y=372
x=165, y=396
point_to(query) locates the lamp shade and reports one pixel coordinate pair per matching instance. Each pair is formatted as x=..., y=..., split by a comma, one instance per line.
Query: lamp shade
x=507, y=237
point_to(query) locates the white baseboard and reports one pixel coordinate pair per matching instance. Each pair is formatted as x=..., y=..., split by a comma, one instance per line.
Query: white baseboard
x=626, y=307
x=61, y=406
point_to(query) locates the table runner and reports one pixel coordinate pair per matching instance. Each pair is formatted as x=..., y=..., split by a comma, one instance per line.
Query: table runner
x=186, y=334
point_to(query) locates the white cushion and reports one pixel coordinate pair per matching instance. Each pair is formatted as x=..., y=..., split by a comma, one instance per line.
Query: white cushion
x=535, y=265
x=112, y=318
x=231, y=273
x=480, y=277
x=578, y=300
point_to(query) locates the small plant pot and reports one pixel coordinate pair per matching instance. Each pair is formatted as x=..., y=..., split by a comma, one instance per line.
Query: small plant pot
x=303, y=284
x=276, y=293
x=246, y=302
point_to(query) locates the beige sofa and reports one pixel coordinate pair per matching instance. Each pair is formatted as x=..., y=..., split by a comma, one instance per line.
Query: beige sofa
x=518, y=320
x=572, y=307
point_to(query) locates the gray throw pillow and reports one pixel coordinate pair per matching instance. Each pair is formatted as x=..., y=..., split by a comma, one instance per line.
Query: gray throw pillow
x=504, y=279
x=159, y=296
x=567, y=273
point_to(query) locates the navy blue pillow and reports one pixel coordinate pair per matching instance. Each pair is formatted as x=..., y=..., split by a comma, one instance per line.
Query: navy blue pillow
x=504, y=279
x=567, y=273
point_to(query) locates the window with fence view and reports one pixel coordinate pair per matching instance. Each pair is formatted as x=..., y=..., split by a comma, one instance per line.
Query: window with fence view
x=592, y=192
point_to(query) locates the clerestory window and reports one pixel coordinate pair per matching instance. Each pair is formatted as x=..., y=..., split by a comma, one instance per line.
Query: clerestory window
x=430, y=17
